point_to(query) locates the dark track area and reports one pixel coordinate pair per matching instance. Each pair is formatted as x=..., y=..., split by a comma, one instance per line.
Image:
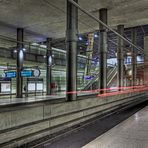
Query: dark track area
x=85, y=134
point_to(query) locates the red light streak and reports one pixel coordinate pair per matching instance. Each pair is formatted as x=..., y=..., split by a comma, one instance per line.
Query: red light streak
x=124, y=90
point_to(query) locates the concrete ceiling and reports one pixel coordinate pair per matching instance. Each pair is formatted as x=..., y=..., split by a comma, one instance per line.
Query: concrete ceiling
x=46, y=18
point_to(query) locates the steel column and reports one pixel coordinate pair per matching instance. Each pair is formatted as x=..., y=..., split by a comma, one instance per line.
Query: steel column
x=48, y=66
x=19, y=62
x=103, y=50
x=71, y=47
x=134, y=57
x=120, y=58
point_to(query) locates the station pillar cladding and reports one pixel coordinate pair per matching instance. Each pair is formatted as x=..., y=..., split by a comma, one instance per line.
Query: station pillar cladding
x=71, y=54
x=120, y=58
x=103, y=50
x=146, y=60
x=134, y=55
x=49, y=65
x=19, y=62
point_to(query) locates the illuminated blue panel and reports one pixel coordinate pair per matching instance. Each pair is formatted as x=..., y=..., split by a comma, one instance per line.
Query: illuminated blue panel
x=88, y=77
x=10, y=74
x=26, y=73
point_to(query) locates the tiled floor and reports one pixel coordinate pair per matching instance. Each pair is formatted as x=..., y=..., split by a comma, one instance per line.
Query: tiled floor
x=131, y=133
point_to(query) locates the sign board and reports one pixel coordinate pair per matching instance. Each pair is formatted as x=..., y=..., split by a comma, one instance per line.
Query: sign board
x=31, y=86
x=39, y=86
x=10, y=74
x=26, y=73
x=5, y=87
x=35, y=79
x=88, y=77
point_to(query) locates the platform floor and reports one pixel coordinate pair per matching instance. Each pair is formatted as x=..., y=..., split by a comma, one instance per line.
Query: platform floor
x=82, y=136
x=7, y=100
x=131, y=133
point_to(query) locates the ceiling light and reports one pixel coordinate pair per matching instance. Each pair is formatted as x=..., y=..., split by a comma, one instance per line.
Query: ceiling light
x=24, y=49
x=80, y=38
x=15, y=51
x=95, y=35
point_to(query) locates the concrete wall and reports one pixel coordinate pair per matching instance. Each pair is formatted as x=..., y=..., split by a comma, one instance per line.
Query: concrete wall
x=24, y=123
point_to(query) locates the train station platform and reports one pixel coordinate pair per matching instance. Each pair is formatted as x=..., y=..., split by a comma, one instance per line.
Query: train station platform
x=24, y=123
x=131, y=133
x=122, y=128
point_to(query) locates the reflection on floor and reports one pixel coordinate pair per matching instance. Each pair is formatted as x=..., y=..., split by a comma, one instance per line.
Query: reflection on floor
x=131, y=133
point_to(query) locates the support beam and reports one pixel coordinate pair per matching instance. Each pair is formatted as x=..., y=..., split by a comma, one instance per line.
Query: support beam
x=120, y=58
x=48, y=66
x=71, y=47
x=134, y=55
x=19, y=62
x=103, y=50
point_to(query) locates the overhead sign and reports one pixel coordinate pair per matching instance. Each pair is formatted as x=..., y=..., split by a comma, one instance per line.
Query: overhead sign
x=26, y=73
x=10, y=74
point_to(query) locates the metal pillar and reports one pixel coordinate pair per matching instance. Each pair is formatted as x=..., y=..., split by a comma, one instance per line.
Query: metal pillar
x=103, y=51
x=134, y=57
x=120, y=58
x=49, y=66
x=71, y=46
x=19, y=62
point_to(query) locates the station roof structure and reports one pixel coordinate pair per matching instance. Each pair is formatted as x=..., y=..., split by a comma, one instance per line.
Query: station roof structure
x=47, y=18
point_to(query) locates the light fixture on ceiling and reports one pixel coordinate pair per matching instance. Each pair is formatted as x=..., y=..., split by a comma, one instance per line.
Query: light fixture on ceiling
x=80, y=38
x=24, y=49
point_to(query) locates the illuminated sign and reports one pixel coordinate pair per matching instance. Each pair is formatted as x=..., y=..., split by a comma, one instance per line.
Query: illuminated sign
x=88, y=77
x=5, y=87
x=10, y=74
x=26, y=73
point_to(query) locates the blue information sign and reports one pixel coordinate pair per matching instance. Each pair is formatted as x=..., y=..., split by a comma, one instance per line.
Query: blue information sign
x=10, y=74
x=26, y=73
x=88, y=77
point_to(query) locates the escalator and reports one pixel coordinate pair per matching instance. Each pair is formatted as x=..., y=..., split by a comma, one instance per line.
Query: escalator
x=94, y=82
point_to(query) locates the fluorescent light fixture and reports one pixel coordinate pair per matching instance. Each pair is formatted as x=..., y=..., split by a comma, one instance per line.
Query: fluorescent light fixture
x=24, y=49
x=80, y=38
x=15, y=51
x=21, y=55
x=95, y=35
